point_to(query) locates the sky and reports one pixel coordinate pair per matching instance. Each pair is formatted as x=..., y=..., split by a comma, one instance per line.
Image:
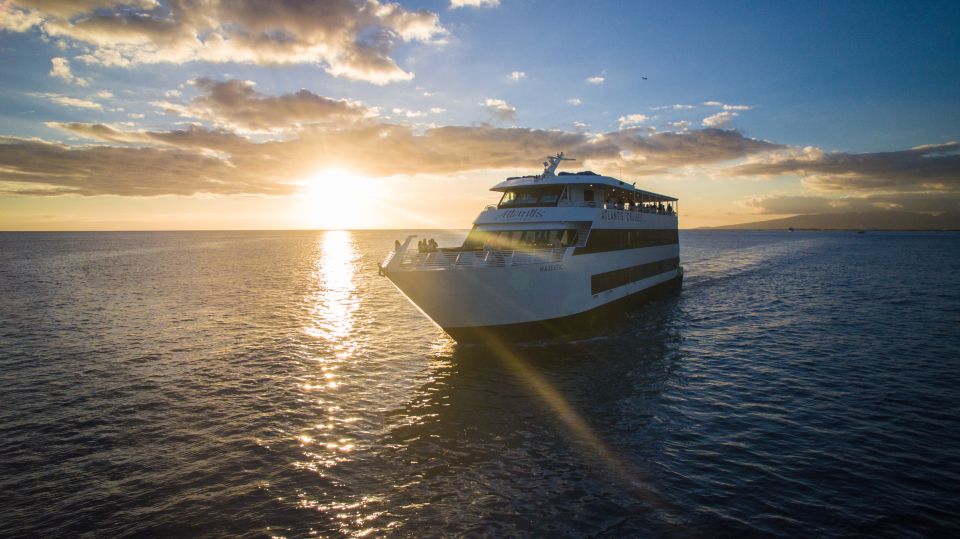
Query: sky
x=249, y=114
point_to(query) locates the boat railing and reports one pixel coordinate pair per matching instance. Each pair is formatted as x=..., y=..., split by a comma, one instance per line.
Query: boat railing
x=592, y=204
x=452, y=259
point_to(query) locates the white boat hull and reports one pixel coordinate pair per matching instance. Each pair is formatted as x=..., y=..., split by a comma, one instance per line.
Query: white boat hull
x=482, y=299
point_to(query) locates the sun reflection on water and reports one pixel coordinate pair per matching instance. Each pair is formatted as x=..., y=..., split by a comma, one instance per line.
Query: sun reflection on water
x=333, y=312
x=332, y=309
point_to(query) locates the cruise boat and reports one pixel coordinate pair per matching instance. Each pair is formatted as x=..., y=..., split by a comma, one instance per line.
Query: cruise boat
x=556, y=255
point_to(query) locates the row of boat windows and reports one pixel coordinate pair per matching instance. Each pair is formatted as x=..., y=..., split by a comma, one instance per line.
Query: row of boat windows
x=538, y=196
x=616, y=240
x=519, y=239
x=612, y=279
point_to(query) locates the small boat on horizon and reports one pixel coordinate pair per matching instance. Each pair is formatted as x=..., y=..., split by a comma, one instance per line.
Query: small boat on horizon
x=551, y=258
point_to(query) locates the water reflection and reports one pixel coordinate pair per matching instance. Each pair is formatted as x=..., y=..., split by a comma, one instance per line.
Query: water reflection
x=497, y=424
x=336, y=301
x=332, y=304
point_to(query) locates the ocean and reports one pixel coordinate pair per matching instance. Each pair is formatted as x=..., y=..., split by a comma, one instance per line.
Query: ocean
x=271, y=384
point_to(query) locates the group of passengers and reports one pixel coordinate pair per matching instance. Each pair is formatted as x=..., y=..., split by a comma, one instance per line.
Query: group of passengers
x=423, y=246
x=427, y=246
x=645, y=207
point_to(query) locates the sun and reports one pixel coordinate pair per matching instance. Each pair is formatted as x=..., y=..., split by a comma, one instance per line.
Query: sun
x=339, y=198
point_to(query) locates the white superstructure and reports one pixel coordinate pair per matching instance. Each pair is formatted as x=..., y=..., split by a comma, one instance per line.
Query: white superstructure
x=547, y=258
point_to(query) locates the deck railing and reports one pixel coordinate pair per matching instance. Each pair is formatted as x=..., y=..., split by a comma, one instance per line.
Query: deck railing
x=474, y=259
x=601, y=205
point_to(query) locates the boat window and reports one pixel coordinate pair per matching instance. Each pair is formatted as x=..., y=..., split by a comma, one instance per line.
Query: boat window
x=588, y=195
x=509, y=240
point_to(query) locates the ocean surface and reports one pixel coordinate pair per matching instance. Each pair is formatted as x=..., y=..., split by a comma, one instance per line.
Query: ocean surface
x=257, y=384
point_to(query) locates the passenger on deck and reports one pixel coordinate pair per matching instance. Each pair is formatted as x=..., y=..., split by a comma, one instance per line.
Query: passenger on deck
x=433, y=245
x=420, y=246
x=669, y=209
x=396, y=246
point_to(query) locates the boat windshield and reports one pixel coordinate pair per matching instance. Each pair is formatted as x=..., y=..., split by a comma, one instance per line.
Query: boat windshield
x=519, y=239
x=547, y=195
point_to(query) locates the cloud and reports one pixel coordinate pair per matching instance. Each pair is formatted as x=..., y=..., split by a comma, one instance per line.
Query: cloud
x=719, y=119
x=105, y=94
x=202, y=160
x=574, y=102
x=934, y=167
x=920, y=202
x=682, y=124
x=236, y=104
x=407, y=113
x=632, y=119
x=56, y=169
x=517, y=76
x=596, y=80
x=643, y=153
x=60, y=68
x=500, y=109
x=454, y=4
x=725, y=106
x=350, y=39
x=678, y=106
x=67, y=101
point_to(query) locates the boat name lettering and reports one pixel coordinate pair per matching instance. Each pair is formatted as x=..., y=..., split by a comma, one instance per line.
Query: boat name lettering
x=521, y=214
x=617, y=215
x=551, y=267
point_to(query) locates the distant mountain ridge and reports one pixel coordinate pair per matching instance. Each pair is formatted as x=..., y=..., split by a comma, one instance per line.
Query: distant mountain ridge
x=879, y=220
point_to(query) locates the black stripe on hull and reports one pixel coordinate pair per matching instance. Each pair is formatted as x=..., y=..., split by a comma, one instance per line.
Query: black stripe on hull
x=577, y=325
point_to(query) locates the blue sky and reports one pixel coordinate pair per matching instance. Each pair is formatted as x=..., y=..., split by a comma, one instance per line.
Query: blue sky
x=799, y=97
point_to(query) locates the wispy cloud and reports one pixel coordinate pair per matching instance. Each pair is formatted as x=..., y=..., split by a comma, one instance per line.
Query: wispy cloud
x=60, y=68
x=719, y=119
x=919, y=202
x=574, y=102
x=454, y=4
x=517, y=76
x=67, y=101
x=678, y=106
x=598, y=79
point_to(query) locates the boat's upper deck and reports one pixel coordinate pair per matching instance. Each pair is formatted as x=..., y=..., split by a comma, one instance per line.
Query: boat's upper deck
x=585, y=180
x=585, y=189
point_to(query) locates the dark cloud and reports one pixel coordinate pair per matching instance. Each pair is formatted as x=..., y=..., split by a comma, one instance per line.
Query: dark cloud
x=351, y=38
x=924, y=168
x=660, y=152
x=236, y=104
x=34, y=167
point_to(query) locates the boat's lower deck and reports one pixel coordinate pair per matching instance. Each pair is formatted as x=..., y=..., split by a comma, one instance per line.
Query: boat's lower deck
x=468, y=296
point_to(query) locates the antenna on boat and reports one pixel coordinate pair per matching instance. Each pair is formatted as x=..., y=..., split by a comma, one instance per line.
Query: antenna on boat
x=552, y=162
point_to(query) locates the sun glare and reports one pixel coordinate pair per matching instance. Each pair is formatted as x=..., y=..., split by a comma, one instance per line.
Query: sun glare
x=338, y=198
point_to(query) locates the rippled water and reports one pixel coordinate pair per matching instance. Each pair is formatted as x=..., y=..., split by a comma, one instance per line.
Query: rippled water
x=270, y=383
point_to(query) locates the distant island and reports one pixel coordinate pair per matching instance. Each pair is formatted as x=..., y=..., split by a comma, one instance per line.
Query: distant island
x=875, y=220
